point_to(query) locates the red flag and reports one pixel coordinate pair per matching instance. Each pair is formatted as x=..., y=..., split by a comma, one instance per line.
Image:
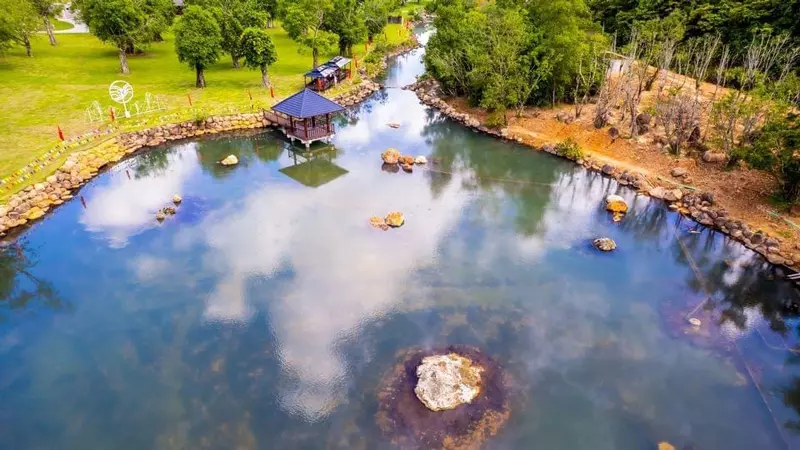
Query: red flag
x=189, y=96
x=60, y=134
x=271, y=91
x=319, y=84
x=111, y=112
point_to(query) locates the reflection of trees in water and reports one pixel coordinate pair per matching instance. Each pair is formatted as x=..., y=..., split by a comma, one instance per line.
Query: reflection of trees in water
x=20, y=289
x=264, y=147
x=526, y=179
x=154, y=162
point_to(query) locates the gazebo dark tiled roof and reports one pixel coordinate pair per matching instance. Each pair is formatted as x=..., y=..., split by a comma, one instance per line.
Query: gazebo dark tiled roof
x=306, y=104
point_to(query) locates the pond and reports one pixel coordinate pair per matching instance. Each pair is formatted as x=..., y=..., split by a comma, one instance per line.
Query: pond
x=264, y=314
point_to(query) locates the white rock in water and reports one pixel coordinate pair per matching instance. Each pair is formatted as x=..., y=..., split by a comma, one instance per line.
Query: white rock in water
x=230, y=160
x=447, y=381
x=177, y=199
x=421, y=160
x=605, y=244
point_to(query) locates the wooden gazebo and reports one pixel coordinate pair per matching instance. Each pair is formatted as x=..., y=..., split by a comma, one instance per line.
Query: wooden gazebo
x=306, y=116
x=327, y=75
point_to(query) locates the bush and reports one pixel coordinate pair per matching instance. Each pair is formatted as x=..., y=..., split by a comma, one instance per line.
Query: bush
x=496, y=119
x=569, y=149
x=774, y=148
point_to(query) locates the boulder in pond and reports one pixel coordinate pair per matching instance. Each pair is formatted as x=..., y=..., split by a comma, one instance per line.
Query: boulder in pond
x=421, y=160
x=663, y=445
x=604, y=244
x=617, y=206
x=390, y=156
x=378, y=222
x=447, y=381
x=177, y=199
x=230, y=160
x=406, y=159
x=395, y=219
x=394, y=125
x=160, y=216
x=405, y=420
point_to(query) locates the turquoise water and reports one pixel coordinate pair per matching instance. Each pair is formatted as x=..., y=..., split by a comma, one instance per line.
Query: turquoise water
x=264, y=313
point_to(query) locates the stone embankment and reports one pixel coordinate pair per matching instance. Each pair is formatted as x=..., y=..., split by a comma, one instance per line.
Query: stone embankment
x=698, y=206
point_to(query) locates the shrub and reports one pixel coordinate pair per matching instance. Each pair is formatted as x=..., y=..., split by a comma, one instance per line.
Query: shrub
x=774, y=148
x=496, y=119
x=569, y=149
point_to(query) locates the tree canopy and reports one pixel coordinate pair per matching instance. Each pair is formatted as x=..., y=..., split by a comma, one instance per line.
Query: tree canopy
x=118, y=22
x=18, y=22
x=258, y=51
x=198, y=40
x=305, y=21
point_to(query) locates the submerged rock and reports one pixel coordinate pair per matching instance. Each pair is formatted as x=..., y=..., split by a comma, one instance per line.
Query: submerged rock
x=663, y=445
x=410, y=425
x=230, y=160
x=394, y=125
x=604, y=244
x=390, y=156
x=617, y=206
x=447, y=381
x=390, y=168
x=408, y=168
x=395, y=219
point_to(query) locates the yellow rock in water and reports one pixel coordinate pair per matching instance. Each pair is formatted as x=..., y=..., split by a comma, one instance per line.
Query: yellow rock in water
x=616, y=205
x=663, y=445
x=395, y=219
x=35, y=213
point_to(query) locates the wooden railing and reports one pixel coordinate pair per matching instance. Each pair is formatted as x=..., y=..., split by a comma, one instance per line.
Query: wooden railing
x=307, y=134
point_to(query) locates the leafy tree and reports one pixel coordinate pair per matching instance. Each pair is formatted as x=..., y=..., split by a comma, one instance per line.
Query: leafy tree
x=271, y=7
x=159, y=15
x=305, y=21
x=233, y=17
x=119, y=22
x=48, y=9
x=258, y=51
x=18, y=22
x=198, y=40
x=347, y=21
x=376, y=13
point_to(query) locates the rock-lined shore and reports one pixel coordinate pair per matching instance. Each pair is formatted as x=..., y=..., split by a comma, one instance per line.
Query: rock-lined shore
x=698, y=206
x=36, y=200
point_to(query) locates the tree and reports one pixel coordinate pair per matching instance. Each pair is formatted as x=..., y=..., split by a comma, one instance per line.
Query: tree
x=271, y=7
x=376, y=13
x=233, y=17
x=158, y=17
x=347, y=21
x=258, y=51
x=119, y=22
x=198, y=40
x=18, y=22
x=48, y=9
x=304, y=22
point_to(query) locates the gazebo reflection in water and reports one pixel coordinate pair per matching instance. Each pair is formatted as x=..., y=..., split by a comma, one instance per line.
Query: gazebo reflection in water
x=313, y=167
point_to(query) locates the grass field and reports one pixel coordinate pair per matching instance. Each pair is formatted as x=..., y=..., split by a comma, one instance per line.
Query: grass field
x=57, y=85
x=60, y=25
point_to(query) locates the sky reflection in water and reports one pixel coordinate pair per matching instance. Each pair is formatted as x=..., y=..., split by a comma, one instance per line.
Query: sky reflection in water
x=263, y=314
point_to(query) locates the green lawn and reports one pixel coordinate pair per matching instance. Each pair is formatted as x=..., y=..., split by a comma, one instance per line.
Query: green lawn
x=57, y=85
x=60, y=25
